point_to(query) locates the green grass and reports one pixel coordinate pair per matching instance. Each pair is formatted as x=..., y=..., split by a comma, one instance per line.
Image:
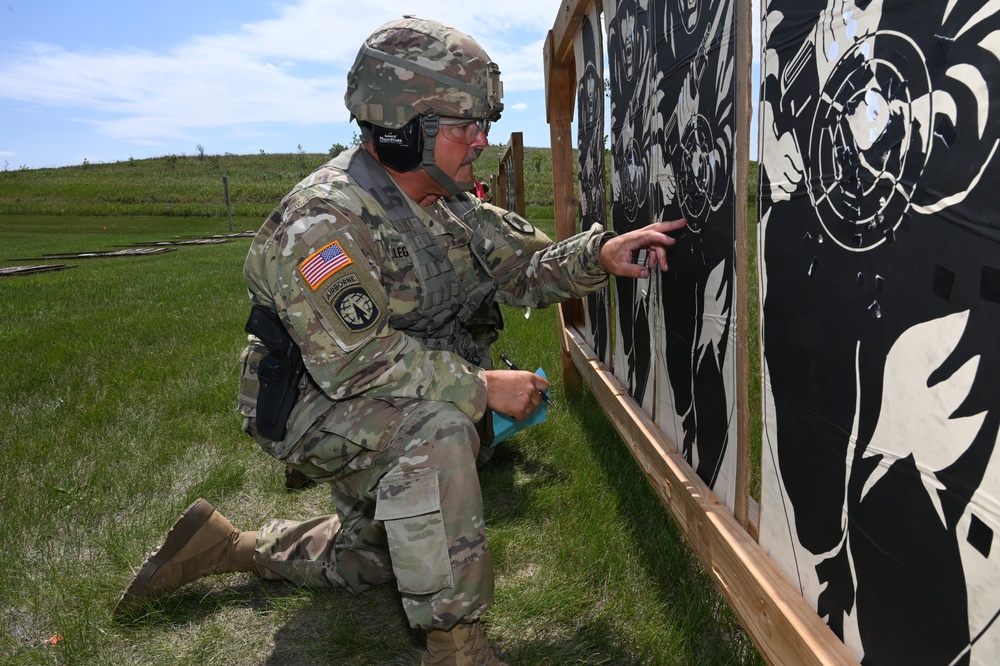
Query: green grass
x=191, y=186
x=117, y=409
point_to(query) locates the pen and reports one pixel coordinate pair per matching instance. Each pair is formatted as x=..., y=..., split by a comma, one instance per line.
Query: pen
x=510, y=366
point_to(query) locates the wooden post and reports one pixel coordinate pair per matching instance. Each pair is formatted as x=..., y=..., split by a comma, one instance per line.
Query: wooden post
x=560, y=93
x=516, y=146
x=229, y=208
x=494, y=188
x=744, y=57
x=507, y=188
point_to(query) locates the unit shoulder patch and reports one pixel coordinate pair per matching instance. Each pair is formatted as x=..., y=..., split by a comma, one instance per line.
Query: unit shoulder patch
x=518, y=223
x=353, y=304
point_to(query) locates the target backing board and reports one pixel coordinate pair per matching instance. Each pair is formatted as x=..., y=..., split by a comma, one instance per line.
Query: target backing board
x=879, y=247
x=589, y=50
x=673, y=132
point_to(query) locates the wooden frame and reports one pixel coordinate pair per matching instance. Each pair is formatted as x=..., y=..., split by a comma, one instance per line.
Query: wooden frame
x=508, y=184
x=781, y=623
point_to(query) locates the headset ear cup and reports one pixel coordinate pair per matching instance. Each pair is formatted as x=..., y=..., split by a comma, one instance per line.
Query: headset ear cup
x=399, y=149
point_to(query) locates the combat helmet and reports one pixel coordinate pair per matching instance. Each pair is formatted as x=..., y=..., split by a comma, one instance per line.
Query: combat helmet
x=407, y=75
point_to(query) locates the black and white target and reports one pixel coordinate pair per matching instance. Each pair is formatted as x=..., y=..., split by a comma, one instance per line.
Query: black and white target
x=870, y=140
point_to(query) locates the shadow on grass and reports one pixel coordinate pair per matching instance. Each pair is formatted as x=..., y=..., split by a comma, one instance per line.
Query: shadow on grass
x=509, y=482
x=336, y=627
x=592, y=644
x=327, y=626
x=682, y=585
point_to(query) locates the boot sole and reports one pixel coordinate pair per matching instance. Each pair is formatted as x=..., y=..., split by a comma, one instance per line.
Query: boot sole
x=180, y=533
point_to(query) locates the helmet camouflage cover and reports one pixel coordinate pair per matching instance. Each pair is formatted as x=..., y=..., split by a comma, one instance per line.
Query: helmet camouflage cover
x=413, y=67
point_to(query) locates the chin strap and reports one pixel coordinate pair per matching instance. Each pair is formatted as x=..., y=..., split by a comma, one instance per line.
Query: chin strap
x=431, y=128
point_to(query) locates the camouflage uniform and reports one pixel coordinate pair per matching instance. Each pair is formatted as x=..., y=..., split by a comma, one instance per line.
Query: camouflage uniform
x=394, y=320
x=387, y=422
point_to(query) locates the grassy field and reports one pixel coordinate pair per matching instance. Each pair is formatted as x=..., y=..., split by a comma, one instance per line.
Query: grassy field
x=191, y=186
x=117, y=409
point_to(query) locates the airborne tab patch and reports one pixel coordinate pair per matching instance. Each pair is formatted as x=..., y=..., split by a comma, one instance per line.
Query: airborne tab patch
x=351, y=306
x=324, y=263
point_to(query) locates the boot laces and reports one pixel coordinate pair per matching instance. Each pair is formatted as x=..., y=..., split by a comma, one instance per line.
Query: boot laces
x=478, y=649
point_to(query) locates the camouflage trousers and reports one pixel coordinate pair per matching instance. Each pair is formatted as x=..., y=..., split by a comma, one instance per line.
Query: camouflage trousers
x=402, y=475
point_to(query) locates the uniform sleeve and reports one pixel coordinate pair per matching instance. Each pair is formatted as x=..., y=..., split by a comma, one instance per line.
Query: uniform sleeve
x=325, y=266
x=534, y=271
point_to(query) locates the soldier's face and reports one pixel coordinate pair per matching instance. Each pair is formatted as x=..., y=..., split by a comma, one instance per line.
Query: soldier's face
x=455, y=151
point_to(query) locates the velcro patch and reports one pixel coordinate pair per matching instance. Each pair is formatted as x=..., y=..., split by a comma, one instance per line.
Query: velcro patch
x=518, y=223
x=323, y=263
x=352, y=306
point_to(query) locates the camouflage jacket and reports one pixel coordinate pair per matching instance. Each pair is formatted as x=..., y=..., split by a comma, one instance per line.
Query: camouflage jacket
x=339, y=276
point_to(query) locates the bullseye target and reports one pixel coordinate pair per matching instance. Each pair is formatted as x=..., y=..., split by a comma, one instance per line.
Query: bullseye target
x=870, y=140
x=635, y=179
x=697, y=167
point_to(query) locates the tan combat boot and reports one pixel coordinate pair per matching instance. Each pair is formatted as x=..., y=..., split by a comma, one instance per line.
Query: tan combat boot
x=462, y=645
x=200, y=543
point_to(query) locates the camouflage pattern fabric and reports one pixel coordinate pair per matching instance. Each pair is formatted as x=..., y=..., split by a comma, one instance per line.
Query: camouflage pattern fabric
x=409, y=507
x=388, y=423
x=412, y=67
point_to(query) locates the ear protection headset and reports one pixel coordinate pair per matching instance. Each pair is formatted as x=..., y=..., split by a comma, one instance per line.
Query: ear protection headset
x=400, y=149
x=412, y=147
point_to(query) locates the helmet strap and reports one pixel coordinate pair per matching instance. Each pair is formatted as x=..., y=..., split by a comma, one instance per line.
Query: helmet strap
x=431, y=129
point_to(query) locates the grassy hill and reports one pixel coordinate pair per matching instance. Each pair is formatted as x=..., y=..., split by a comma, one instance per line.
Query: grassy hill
x=191, y=186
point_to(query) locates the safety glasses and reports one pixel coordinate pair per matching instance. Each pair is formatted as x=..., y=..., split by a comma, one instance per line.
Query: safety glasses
x=464, y=130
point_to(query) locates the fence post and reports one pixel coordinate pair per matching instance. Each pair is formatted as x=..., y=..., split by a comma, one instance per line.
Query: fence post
x=229, y=208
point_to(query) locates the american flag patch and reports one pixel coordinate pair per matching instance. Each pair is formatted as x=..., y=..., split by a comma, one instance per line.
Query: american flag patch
x=324, y=263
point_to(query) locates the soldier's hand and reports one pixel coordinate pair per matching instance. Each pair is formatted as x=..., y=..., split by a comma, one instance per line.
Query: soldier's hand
x=514, y=392
x=617, y=252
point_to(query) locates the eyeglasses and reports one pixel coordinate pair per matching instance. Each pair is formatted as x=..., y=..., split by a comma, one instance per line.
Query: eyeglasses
x=464, y=130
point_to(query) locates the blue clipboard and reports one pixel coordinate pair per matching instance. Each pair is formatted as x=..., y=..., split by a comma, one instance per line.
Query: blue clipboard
x=504, y=426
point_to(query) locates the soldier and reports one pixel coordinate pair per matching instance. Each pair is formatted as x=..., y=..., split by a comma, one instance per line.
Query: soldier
x=375, y=287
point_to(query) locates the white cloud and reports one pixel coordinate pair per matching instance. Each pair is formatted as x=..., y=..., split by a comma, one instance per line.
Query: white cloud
x=248, y=83
x=521, y=68
x=289, y=69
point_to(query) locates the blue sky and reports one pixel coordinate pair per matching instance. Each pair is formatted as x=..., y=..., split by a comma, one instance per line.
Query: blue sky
x=105, y=80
